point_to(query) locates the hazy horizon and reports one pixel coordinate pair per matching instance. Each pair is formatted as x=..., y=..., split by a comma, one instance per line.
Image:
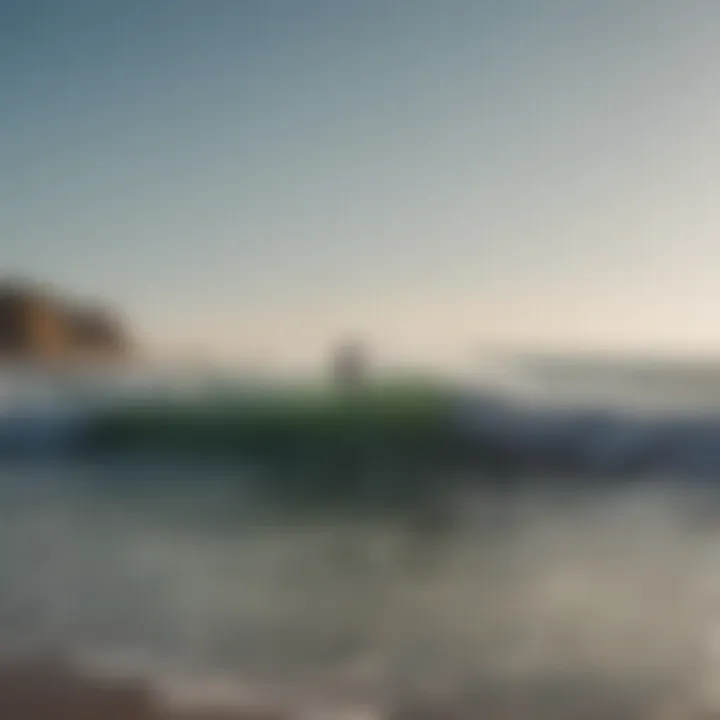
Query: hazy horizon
x=256, y=179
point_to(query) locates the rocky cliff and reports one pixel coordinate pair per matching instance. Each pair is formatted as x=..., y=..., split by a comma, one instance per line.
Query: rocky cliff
x=38, y=325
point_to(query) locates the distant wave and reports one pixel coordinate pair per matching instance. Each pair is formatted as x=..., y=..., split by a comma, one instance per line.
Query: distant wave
x=530, y=436
x=606, y=441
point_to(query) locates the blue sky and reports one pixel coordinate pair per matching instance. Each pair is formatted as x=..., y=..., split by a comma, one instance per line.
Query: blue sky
x=252, y=178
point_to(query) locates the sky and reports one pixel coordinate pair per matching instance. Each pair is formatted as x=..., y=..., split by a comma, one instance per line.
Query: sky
x=253, y=179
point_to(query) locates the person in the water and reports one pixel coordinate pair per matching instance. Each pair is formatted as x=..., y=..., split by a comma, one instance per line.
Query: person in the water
x=350, y=365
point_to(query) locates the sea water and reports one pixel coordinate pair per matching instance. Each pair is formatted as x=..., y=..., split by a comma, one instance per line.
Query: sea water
x=555, y=600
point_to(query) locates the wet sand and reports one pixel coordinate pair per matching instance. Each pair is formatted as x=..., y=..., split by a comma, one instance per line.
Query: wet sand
x=49, y=690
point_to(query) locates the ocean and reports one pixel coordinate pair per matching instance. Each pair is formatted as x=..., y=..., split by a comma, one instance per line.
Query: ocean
x=597, y=596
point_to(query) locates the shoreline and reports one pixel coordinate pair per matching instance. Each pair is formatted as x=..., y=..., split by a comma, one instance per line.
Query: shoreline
x=48, y=688
x=44, y=688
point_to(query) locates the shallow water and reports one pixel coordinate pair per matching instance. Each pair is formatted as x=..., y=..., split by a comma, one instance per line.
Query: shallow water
x=556, y=597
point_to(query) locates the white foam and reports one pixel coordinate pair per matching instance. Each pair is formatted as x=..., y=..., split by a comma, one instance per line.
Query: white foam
x=623, y=588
